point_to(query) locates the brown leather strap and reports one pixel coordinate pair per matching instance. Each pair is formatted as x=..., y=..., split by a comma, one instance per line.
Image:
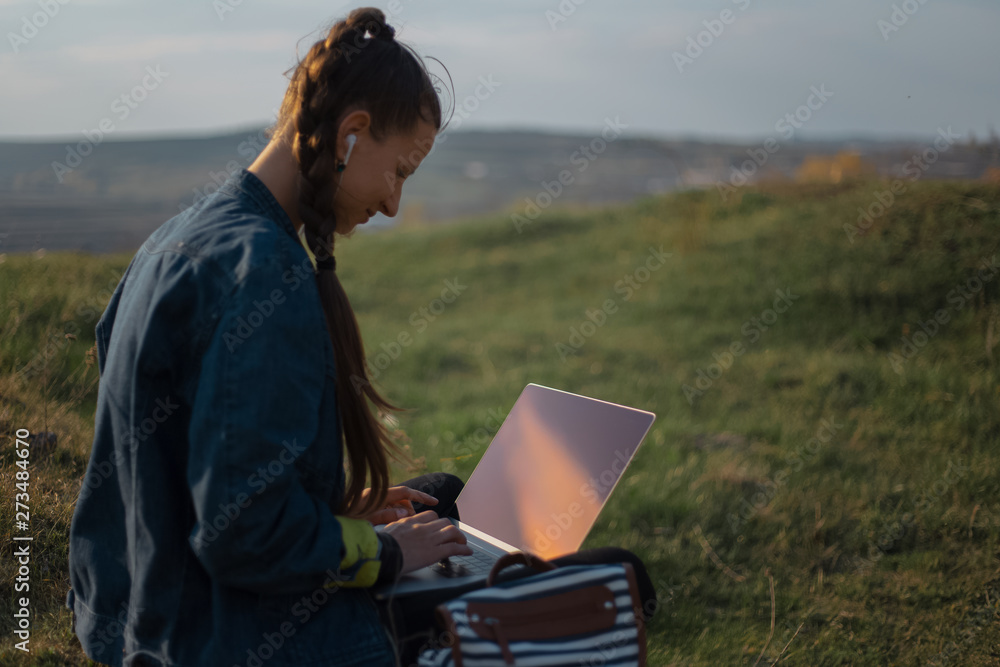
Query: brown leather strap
x=501, y=637
x=518, y=558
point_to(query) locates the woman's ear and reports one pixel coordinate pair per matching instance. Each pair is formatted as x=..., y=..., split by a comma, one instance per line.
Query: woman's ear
x=357, y=123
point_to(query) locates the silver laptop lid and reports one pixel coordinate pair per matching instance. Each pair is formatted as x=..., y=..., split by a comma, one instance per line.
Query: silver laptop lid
x=550, y=469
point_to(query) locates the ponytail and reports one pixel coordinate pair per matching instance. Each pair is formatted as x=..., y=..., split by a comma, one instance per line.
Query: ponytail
x=358, y=65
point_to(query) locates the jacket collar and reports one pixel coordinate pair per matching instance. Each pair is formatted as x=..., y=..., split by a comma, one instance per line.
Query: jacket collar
x=260, y=197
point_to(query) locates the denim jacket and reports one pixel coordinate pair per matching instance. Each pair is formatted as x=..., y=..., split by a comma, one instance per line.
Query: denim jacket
x=205, y=532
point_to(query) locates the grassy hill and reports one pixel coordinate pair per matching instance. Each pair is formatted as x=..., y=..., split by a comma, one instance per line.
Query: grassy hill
x=821, y=485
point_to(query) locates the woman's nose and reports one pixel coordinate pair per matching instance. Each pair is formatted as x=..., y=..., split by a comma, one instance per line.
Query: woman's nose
x=390, y=206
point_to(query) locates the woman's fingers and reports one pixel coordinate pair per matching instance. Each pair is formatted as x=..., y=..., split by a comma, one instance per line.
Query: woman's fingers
x=427, y=516
x=381, y=517
x=456, y=549
x=453, y=542
x=444, y=530
x=451, y=533
x=399, y=493
x=426, y=539
x=399, y=501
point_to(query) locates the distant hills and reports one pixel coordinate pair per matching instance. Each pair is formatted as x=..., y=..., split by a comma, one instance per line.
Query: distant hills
x=105, y=196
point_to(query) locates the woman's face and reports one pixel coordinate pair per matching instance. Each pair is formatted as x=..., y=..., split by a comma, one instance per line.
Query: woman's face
x=375, y=173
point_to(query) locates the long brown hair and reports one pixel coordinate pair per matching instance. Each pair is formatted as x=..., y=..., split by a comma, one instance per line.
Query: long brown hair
x=358, y=65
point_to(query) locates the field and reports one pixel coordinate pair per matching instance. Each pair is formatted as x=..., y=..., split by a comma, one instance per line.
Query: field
x=821, y=485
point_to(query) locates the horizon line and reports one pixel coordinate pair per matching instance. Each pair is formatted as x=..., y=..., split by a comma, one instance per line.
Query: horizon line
x=218, y=133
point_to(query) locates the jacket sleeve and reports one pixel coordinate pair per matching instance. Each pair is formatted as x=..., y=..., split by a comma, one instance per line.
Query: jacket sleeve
x=256, y=409
x=391, y=558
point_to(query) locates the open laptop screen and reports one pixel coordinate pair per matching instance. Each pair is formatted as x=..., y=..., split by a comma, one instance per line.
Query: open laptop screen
x=549, y=470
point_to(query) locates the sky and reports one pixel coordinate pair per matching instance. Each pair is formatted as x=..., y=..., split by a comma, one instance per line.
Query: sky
x=704, y=69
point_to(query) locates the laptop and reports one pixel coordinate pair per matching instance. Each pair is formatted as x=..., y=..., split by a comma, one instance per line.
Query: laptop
x=539, y=486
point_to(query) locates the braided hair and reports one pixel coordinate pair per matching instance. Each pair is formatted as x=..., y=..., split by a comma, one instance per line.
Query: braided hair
x=358, y=65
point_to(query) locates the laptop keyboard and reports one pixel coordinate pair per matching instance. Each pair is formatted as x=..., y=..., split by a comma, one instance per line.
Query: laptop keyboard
x=479, y=562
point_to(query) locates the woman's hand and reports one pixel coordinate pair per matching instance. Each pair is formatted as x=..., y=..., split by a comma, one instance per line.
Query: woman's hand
x=398, y=504
x=425, y=539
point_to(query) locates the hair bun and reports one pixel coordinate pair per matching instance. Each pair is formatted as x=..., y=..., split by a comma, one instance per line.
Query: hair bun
x=372, y=21
x=388, y=33
x=379, y=30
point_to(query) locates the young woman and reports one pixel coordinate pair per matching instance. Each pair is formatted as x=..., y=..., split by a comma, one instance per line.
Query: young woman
x=216, y=524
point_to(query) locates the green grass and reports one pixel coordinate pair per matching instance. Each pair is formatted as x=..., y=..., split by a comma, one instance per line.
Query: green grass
x=808, y=464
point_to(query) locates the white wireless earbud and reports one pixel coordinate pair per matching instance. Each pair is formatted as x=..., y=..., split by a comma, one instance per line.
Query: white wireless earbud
x=351, y=140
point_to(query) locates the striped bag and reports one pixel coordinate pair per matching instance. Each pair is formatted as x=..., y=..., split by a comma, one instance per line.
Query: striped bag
x=572, y=615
